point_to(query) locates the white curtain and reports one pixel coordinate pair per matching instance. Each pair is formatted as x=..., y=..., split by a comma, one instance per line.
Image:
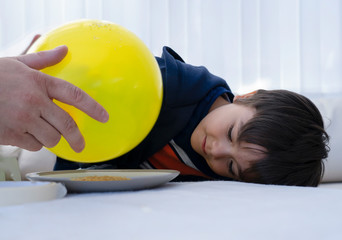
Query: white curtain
x=289, y=44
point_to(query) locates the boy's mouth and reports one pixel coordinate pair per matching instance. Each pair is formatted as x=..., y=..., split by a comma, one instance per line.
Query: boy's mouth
x=203, y=144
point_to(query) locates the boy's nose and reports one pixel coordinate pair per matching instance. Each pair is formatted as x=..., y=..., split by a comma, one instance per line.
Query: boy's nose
x=220, y=150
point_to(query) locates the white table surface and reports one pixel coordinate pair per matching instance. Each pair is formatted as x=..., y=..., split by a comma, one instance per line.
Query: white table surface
x=195, y=210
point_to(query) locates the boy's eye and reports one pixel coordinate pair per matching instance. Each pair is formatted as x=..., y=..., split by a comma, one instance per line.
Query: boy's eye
x=231, y=168
x=230, y=133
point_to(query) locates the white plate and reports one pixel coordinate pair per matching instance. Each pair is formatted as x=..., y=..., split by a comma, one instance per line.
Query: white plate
x=138, y=179
x=20, y=192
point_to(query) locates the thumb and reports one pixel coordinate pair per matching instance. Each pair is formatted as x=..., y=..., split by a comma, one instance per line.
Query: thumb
x=43, y=59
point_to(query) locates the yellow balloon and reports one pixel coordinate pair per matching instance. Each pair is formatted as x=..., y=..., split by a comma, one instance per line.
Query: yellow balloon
x=114, y=67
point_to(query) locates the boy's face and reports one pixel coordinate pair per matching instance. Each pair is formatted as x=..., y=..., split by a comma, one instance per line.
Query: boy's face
x=215, y=139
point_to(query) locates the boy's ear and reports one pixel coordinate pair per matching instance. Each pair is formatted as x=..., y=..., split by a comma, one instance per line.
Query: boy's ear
x=247, y=95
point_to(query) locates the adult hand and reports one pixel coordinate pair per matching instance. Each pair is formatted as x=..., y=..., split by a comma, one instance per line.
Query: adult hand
x=29, y=118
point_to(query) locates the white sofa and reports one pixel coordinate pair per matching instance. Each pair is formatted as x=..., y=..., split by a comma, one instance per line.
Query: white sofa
x=331, y=110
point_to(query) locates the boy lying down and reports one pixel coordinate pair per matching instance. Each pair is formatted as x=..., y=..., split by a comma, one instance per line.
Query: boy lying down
x=270, y=137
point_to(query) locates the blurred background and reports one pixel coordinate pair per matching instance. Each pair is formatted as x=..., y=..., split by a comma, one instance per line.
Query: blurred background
x=271, y=44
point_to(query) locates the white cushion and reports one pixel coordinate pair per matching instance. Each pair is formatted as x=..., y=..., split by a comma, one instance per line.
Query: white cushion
x=331, y=110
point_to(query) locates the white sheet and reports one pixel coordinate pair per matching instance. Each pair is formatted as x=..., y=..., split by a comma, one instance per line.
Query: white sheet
x=201, y=210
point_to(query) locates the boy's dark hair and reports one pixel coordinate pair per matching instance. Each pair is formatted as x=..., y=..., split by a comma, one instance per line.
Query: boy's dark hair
x=291, y=128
